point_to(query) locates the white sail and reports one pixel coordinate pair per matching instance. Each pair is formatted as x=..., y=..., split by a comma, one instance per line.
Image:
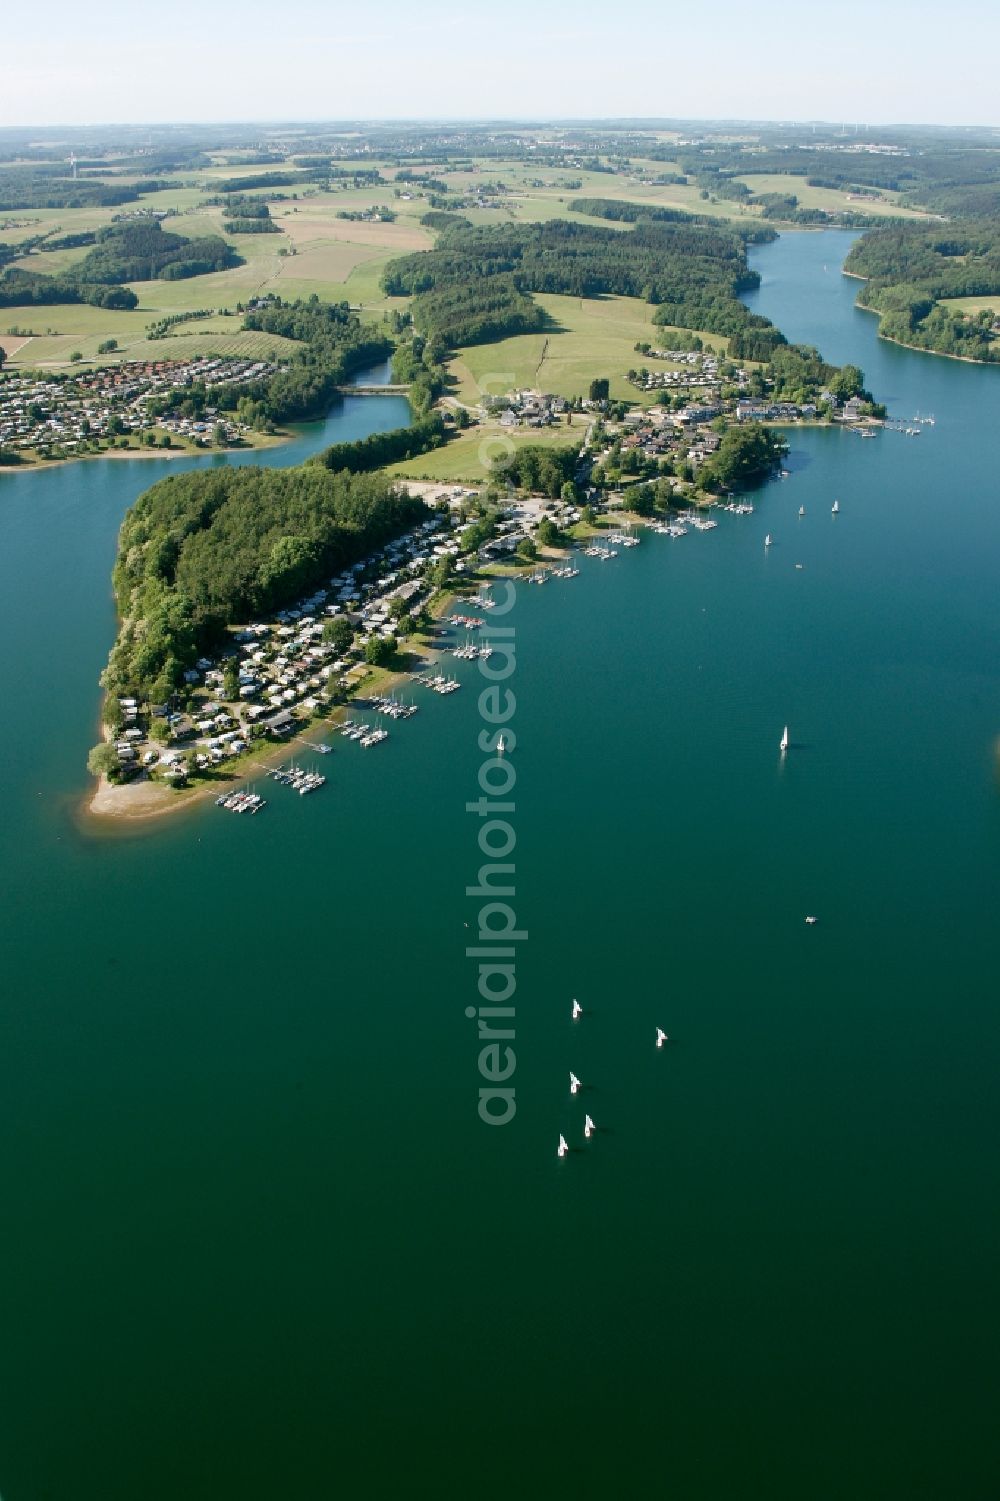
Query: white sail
x=588, y=1126
x=577, y=1010
x=574, y=1084
x=661, y=1037
x=563, y=1147
x=784, y=739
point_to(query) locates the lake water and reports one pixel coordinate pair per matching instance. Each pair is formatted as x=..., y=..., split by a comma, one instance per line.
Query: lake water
x=256, y=1241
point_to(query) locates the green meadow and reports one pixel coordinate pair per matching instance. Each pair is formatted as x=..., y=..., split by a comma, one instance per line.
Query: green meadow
x=588, y=338
x=468, y=456
x=833, y=200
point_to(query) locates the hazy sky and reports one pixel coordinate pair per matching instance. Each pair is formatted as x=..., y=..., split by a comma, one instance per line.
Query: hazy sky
x=859, y=60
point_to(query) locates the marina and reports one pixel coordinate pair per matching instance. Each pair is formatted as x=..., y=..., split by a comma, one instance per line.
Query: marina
x=299, y=779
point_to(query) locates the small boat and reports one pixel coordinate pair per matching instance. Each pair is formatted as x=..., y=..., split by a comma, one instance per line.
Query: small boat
x=661, y=1037
x=835, y=508
x=802, y=510
x=577, y=1010
x=574, y=1084
x=783, y=744
x=500, y=746
x=812, y=920
x=563, y=1147
x=767, y=540
x=588, y=1126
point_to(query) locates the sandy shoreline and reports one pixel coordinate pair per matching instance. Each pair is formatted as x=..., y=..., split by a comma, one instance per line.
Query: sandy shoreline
x=133, y=806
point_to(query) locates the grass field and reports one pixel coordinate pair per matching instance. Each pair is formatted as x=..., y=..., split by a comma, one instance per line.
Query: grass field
x=341, y=259
x=589, y=338
x=971, y=305
x=468, y=456
x=335, y=259
x=55, y=350
x=833, y=200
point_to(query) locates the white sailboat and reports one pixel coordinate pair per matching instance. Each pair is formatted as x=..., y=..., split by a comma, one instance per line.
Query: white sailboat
x=802, y=510
x=661, y=1037
x=767, y=540
x=810, y=920
x=574, y=1084
x=783, y=745
x=835, y=508
x=588, y=1126
x=500, y=746
x=577, y=1010
x=563, y=1147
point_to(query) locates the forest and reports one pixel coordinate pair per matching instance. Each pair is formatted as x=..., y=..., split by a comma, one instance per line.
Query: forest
x=333, y=344
x=909, y=267
x=141, y=250
x=623, y=212
x=199, y=552
x=48, y=185
x=381, y=449
x=23, y=288
x=475, y=286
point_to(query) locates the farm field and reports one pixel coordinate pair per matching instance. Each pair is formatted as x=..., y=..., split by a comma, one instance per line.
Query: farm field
x=317, y=253
x=833, y=200
x=971, y=305
x=589, y=338
x=55, y=350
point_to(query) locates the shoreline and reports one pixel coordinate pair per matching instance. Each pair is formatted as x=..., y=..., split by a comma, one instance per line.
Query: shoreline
x=942, y=354
x=150, y=801
x=45, y=466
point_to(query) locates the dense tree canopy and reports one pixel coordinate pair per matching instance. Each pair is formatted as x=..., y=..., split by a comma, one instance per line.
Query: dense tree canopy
x=333, y=344
x=141, y=250
x=909, y=267
x=746, y=454
x=200, y=551
x=380, y=449
x=475, y=286
x=539, y=469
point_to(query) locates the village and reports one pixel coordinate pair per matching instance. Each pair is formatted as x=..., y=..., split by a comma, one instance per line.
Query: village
x=275, y=677
x=698, y=386
x=67, y=414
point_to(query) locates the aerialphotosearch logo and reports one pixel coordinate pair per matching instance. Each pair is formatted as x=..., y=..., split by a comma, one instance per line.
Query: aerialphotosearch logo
x=498, y=932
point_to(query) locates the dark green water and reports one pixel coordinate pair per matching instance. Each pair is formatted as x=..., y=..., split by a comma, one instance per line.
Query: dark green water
x=256, y=1242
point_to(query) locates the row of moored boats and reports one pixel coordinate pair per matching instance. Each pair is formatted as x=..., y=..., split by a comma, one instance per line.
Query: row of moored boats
x=241, y=802
x=296, y=777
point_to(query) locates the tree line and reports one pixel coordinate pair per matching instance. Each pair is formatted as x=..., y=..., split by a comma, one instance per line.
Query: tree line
x=139, y=250
x=381, y=449
x=908, y=268
x=333, y=343
x=475, y=286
